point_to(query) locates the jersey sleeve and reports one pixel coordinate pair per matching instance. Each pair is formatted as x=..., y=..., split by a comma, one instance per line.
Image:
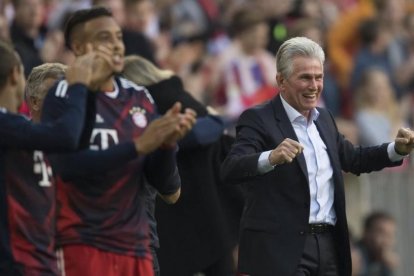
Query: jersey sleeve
x=93, y=162
x=161, y=171
x=60, y=134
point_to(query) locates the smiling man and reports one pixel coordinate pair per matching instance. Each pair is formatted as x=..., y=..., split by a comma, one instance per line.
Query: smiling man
x=291, y=156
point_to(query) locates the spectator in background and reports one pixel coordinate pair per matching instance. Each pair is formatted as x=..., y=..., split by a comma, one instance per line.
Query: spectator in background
x=377, y=113
x=376, y=37
x=4, y=29
x=377, y=245
x=245, y=72
x=343, y=38
x=198, y=233
x=136, y=43
x=141, y=16
x=27, y=32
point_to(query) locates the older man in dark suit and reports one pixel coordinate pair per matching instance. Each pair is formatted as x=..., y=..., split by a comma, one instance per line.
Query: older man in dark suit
x=290, y=155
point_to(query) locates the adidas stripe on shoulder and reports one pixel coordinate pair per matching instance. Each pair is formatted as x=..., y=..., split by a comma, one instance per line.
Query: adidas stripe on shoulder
x=129, y=84
x=61, y=89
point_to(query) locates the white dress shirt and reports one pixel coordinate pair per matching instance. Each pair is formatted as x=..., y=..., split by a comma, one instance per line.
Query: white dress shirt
x=318, y=165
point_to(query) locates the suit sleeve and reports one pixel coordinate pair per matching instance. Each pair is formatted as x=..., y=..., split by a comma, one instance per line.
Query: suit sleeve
x=241, y=162
x=61, y=134
x=358, y=159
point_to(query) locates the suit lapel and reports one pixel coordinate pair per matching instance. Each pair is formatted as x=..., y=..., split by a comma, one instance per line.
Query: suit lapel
x=286, y=128
x=326, y=134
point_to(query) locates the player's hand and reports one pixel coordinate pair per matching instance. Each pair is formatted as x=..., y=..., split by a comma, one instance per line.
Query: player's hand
x=82, y=69
x=187, y=121
x=157, y=132
x=404, y=142
x=285, y=152
x=102, y=66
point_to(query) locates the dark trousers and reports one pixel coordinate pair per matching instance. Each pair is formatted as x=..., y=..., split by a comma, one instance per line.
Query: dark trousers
x=319, y=256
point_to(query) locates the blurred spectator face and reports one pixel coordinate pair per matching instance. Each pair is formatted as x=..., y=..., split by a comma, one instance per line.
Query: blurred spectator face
x=4, y=29
x=29, y=13
x=410, y=26
x=141, y=16
x=395, y=11
x=275, y=8
x=254, y=38
x=378, y=90
x=116, y=7
x=315, y=34
x=381, y=236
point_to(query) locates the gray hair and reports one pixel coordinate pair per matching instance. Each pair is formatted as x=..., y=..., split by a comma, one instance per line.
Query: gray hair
x=294, y=47
x=35, y=85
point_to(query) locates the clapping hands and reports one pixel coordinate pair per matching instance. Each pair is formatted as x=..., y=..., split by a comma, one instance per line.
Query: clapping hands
x=167, y=130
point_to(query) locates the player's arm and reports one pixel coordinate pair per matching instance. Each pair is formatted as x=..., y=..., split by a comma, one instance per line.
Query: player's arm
x=91, y=162
x=162, y=173
x=88, y=161
x=59, y=135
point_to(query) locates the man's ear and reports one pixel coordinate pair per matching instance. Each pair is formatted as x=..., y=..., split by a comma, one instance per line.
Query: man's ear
x=280, y=80
x=15, y=74
x=34, y=103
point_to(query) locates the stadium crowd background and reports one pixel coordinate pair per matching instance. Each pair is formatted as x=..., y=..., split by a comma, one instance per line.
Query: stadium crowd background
x=224, y=52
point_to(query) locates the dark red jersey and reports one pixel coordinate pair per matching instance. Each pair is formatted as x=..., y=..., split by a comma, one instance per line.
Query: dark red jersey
x=31, y=212
x=107, y=209
x=16, y=132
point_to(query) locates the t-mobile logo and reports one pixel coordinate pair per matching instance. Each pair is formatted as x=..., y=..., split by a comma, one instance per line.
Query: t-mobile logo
x=101, y=138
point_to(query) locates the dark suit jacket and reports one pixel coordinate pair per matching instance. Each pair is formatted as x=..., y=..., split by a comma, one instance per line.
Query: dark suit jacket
x=277, y=207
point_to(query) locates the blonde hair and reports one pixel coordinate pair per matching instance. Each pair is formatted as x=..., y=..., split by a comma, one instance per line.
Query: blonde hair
x=35, y=85
x=143, y=72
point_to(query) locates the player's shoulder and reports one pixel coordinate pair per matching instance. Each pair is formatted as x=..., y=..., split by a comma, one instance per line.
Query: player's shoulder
x=135, y=88
x=59, y=89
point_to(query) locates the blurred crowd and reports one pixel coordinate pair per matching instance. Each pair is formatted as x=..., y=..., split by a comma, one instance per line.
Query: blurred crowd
x=223, y=50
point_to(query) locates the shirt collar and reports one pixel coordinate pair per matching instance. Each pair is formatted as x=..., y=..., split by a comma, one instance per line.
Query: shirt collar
x=293, y=114
x=113, y=94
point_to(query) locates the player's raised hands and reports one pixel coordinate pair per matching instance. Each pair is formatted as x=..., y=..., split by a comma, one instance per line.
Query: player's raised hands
x=156, y=133
x=187, y=121
x=81, y=70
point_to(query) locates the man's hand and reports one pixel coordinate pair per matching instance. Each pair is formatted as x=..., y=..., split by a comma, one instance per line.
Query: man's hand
x=90, y=69
x=156, y=133
x=81, y=70
x=285, y=152
x=102, y=66
x=187, y=121
x=404, y=142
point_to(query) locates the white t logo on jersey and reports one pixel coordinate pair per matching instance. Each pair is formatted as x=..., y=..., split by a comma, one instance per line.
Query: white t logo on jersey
x=40, y=167
x=107, y=137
